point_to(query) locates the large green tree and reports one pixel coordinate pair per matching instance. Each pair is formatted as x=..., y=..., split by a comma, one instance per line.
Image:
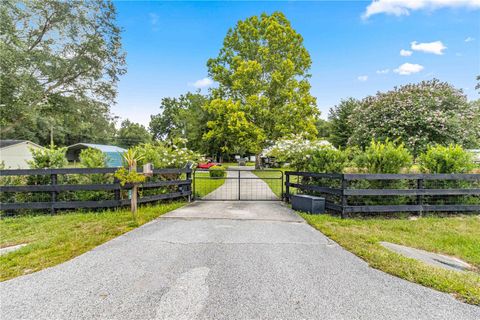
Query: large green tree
x=55, y=49
x=183, y=117
x=340, y=123
x=264, y=66
x=131, y=133
x=429, y=112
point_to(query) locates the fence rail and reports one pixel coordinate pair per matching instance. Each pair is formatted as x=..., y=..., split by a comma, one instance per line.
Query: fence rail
x=340, y=189
x=177, y=188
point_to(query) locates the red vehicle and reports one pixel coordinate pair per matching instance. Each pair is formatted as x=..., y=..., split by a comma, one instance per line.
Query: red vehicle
x=207, y=165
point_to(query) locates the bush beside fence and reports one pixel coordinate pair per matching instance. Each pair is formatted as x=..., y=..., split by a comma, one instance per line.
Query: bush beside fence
x=390, y=193
x=56, y=189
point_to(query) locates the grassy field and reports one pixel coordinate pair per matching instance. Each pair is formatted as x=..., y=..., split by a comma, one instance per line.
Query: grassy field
x=54, y=239
x=271, y=177
x=454, y=236
x=205, y=186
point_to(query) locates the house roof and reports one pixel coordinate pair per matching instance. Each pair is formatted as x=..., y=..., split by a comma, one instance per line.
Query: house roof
x=101, y=147
x=11, y=142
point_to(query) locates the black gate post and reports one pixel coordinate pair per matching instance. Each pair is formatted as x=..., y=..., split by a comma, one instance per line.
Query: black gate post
x=189, y=186
x=287, y=186
x=238, y=184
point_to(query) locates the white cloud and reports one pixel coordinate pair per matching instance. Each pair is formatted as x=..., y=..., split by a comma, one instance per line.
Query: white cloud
x=202, y=83
x=154, y=18
x=435, y=47
x=384, y=71
x=408, y=68
x=405, y=53
x=404, y=7
x=469, y=39
x=362, y=78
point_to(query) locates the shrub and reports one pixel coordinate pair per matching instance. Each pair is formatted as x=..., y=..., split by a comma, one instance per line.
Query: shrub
x=446, y=159
x=217, y=172
x=326, y=160
x=92, y=158
x=385, y=157
x=48, y=158
x=295, y=150
x=162, y=155
x=417, y=114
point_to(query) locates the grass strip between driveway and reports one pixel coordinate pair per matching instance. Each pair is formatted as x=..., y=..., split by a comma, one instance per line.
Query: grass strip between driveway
x=454, y=236
x=55, y=239
x=205, y=184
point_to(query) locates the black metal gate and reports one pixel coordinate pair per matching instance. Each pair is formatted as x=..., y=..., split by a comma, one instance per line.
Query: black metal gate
x=239, y=184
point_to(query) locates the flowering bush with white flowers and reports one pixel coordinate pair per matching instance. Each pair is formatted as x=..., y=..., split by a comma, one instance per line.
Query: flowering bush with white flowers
x=163, y=155
x=429, y=112
x=295, y=150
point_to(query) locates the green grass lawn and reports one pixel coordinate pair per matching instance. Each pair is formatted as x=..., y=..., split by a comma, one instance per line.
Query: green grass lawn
x=272, y=178
x=205, y=186
x=454, y=236
x=54, y=239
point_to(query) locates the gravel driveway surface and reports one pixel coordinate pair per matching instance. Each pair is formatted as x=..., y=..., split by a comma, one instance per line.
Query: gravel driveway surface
x=234, y=260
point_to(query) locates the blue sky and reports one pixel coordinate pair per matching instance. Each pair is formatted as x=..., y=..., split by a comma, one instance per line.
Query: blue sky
x=168, y=44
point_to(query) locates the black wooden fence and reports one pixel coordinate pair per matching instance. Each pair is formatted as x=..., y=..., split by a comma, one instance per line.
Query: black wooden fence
x=389, y=193
x=164, y=184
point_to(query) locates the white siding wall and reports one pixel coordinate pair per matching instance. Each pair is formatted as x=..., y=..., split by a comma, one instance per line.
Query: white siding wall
x=16, y=156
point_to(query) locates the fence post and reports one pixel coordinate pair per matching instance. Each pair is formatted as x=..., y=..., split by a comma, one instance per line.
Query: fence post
x=189, y=186
x=116, y=192
x=287, y=186
x=344, y=197
x=53, y=194
x=420, y=185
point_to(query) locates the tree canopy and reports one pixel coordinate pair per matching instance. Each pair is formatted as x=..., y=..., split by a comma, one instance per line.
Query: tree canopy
x=262, y=70
x=429, y=112
x=183, y=117
x=131, y=134
x=58, y=58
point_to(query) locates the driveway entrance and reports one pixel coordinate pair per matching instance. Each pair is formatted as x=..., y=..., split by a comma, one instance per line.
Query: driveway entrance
x=240, y=183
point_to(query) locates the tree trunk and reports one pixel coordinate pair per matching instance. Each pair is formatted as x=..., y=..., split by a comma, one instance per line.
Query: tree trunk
x=258, y=162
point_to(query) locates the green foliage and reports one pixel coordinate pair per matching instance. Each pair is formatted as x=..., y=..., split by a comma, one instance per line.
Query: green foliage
x=417, y=114
x=231, y=129
x=262, y=74
x=326, y=160
x=449, y=159
x=52, y=157
x=183, y=117
x=131, y=134
x=92, y=158
x=295, y=150
x=217, y=172
x=385, y=157
x=340, y=123
x=324, y=129
x=126, y=176
x=60, y=62
x=163, y=155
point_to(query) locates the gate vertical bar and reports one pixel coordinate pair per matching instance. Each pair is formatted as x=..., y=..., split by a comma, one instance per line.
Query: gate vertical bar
x=238, y=184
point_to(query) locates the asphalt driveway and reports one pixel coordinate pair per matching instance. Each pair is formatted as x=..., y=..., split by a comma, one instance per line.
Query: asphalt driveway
x=223, y=260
